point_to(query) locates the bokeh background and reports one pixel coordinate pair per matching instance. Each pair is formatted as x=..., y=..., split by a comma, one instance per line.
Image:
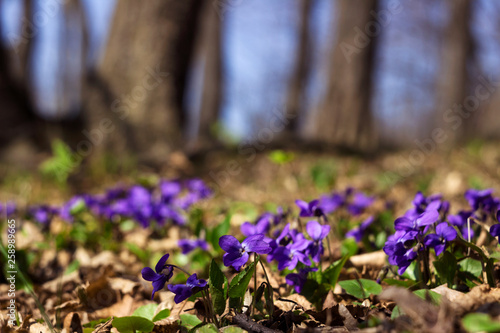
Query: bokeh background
x=141, y=80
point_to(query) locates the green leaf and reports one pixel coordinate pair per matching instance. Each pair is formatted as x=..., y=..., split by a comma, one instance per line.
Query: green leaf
x=216, y=284
x=361, y=288
x=94, y=323
x=332, y=273
x=132, y=324
x=400, y=283
x=323, y=175
x=411, y=272
x=146, y=311
x=78, y=207
x=472, y=266
x=396, y=312
x=142, y=254
x=446, y=268
x=127, y=225
x=216, y=277
x=281, y=157
x=189, y=321
x=239, y=283
x=165, y=313
x=495, y=255
x=480, y=322
x=219, y=231
x=232, y=329
x=75, y=264
x=434, y=296
x=208, y=328
x=349, y=247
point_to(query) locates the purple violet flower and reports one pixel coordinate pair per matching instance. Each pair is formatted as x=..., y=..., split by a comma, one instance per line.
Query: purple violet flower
x=359, y=203
x=43, y=214
x=161, y=276
x=438, y=241
x=358, y=232
x=184, y=291
x=460, y=220
x=262, y=226
x=317, y=232
x=399, y=249
x=495, y=229
x=423, y=220
x=298, y=279
x=188, y=245
x=311, y=209
x=290, y=255
x=9, y=208
x=237, y=254
x=330, y=203
x=481, y=199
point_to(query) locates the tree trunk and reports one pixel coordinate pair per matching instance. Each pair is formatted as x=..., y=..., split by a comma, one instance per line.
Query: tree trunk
x=455, y=80
x=345, y=117
x=20, y=135
x=298, y=82
x=135, y=103
x=210, y=50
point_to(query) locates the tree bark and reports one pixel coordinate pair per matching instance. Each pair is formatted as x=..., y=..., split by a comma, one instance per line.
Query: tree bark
x=301, y=71
x=455, y=81
x=345, y=117
x=210, y=45
x=138, y=88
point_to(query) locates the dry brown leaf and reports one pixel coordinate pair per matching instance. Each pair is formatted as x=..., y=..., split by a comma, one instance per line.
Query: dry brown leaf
x=57, y=284
x=373, y=259
x=291, y=303
x=39, y=328
x=125, y=286
x=72, y=323
x=120, y=309
x=450, y=294
x=426, y=317
x=475, y=298
x=329, y=301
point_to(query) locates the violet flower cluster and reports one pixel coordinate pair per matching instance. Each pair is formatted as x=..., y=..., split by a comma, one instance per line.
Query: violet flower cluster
x=168, y=201
x=163, y=273
x=290, y=248
x=427, y=225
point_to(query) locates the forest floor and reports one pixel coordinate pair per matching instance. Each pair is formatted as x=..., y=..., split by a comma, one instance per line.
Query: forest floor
x=78, y=281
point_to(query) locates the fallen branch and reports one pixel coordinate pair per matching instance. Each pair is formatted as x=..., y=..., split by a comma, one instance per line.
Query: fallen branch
x=248, y=324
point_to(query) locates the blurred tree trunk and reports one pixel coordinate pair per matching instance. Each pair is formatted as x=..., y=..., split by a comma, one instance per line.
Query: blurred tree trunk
x=345, y=117
x=135, y=102
x=456, y=79
x=20, y=127
x=301, y=71
x=25, y=48
x=210, y=51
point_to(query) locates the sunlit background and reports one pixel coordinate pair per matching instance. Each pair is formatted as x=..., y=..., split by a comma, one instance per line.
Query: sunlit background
x=412, y=65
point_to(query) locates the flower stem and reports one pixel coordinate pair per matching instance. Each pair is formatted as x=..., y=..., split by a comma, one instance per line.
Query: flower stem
x=269, y=290
x=254, y=283
x=181, y=269
x=206, y=295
